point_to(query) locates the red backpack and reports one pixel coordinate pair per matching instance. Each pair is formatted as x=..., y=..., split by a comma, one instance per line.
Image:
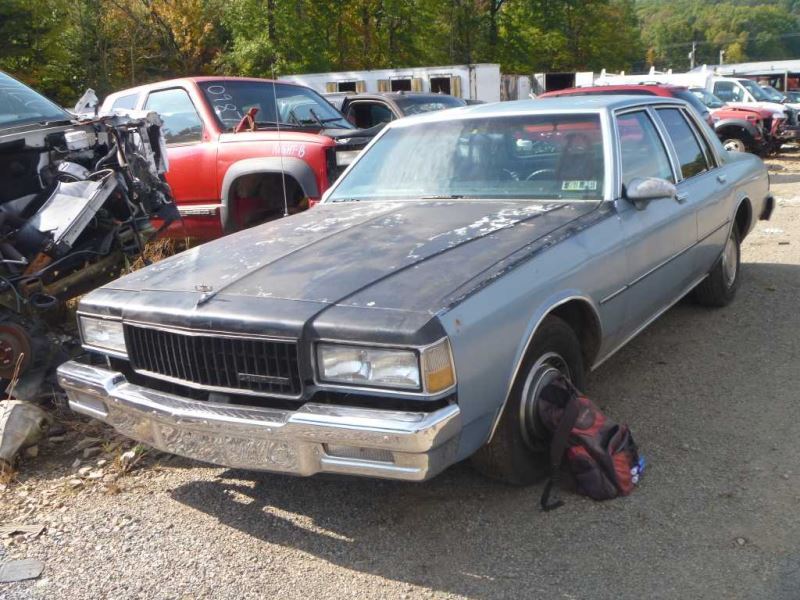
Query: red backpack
x=601, y=454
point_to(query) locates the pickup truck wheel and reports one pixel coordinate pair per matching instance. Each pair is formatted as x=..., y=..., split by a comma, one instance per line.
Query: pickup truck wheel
x=719, y=288
x=518, y=452
x=734, y=145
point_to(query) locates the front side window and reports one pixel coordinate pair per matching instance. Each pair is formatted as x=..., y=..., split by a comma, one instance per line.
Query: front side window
x=276, y=103
x=642, y=152
x=728, y=91
x=182, y=124
x=125, y=102
x=529, y=157
x=690, y=155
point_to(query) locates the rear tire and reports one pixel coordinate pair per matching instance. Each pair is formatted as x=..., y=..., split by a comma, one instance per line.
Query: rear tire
x=517, y=453
x=719, y=288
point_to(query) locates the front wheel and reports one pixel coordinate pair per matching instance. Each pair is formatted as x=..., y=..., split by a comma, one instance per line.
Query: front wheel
x=719, y=288
x=518, y=451
x=734, y=145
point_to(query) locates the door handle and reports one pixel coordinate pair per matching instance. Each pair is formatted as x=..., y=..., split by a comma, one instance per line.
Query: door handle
x=722, y=178
x=681, y=198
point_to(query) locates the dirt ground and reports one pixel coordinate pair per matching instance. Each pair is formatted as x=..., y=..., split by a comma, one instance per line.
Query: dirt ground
x=711, y=396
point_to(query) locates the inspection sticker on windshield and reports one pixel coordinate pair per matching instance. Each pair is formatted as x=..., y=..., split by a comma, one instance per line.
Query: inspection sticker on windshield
x=579, y=185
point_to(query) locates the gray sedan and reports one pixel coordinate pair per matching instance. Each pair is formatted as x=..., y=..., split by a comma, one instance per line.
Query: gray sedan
x=411, y=320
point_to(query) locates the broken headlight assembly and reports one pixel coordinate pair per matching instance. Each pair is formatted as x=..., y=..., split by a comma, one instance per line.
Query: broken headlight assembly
x=429, y=369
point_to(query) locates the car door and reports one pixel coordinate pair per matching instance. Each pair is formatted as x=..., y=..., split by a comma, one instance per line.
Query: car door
x=703, y=184
x=369, y=113
x=660, y=234
x=192, y=156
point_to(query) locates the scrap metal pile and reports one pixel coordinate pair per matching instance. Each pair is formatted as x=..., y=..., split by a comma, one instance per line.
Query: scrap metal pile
x=76, y=200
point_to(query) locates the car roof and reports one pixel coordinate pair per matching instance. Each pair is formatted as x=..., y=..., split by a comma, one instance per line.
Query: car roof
x=199, y=79
x=560, y=104
x=397, y=95
x=658, y=89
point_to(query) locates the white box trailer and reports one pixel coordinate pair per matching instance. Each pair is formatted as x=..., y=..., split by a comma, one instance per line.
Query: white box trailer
x=549, y=82
x=471, y=82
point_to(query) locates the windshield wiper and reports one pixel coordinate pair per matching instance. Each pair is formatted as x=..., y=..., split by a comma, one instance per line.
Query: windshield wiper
x=442, y=197
x=316, y=118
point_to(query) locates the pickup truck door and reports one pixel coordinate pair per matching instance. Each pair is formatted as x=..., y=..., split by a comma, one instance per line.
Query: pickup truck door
x=191, y=151
x=703, y=185
x=660, y=235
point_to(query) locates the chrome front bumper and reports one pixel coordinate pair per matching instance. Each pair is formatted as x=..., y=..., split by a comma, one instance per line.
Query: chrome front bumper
x=312, y=439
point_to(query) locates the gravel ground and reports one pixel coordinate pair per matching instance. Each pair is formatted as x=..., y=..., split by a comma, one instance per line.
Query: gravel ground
x=711, y=396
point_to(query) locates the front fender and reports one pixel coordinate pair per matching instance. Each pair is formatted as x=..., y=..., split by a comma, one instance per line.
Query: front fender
x=747, y=126
x=293, y=167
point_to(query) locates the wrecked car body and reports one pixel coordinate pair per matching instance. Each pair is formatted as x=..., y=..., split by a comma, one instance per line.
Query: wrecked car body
x=412, y=319
x=76, y=199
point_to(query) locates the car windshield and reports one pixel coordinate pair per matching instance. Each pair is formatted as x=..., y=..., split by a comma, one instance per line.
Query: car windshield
x=773, y=94
x=755, y=90
x=707, y=98
x=20, y=105
x=297, y=106
x=532, y=157
x=692, y=101
x=411, y=105
x=793, y=96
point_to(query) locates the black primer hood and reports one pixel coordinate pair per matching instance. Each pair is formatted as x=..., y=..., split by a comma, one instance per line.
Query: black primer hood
x=409, y=256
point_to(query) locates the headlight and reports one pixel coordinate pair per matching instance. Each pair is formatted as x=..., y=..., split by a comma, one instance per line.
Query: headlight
x=345, y=157
x=102, y=334
x=362, y=365
x=430, y=370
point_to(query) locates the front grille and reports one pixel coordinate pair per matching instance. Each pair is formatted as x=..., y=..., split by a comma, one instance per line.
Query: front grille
x=215, y=362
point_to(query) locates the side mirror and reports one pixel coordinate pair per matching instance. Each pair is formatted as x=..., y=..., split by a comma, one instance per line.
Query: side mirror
x=641, y=190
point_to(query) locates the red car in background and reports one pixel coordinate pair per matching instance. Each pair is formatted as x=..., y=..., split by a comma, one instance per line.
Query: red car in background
x=739, y=129
x=243, y=151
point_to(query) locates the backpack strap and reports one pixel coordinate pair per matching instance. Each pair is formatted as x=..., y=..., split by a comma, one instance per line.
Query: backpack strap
x=558, y=446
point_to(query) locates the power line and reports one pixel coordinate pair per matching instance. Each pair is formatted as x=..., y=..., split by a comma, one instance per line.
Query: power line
x=708, y=43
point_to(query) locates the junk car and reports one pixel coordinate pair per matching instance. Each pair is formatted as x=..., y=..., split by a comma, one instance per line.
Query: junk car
x=76, y=200
x=412, y=319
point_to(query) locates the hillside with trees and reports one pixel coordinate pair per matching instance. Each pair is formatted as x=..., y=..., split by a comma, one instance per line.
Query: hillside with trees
x=63, y=46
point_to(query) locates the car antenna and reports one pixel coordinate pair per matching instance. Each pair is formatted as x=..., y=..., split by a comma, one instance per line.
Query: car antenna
x=280, y=144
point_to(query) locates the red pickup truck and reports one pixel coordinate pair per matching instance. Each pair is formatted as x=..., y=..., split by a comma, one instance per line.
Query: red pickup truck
x=234, y=144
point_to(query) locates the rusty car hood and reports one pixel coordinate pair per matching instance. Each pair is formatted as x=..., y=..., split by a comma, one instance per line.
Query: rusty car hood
x=411, y=255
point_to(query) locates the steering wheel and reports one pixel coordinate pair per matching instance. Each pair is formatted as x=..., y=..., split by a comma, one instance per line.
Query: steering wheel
x=538, y=173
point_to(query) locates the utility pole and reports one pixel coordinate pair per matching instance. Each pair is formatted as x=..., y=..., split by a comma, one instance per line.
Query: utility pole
x=722, y=57
x=692, y=55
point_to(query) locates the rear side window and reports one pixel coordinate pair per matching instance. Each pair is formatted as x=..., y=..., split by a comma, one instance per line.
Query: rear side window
x=643, y=153
x=690, y=153
x=125, y=102
x=181, y=122
x=369, y=114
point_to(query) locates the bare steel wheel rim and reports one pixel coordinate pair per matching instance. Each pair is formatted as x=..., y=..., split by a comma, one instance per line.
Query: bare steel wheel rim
x=734, y=145
x=730, y=264
x=543, y=372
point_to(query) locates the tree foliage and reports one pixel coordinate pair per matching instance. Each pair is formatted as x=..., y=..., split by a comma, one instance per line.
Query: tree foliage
x=64, y=46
